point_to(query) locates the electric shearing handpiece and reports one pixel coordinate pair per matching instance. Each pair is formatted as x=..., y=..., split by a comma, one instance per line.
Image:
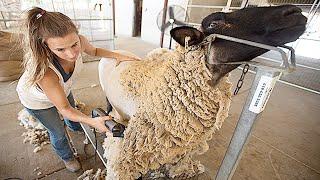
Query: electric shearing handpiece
x=116, y=128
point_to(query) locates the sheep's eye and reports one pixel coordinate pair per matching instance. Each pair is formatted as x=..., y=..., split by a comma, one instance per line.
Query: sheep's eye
x=213, y=25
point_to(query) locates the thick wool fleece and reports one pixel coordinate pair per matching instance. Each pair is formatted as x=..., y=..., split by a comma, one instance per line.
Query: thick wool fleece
x=179, y=110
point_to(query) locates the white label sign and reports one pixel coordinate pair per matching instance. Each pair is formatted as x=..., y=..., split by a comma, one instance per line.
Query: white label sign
x=262, y=94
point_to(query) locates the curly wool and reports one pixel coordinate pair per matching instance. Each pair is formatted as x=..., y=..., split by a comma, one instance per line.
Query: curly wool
x=179, y=110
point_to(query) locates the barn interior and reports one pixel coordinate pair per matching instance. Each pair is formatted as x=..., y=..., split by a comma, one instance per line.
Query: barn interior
x=284, y=140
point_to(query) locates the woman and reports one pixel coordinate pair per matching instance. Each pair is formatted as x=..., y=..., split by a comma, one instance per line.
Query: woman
x=53, y=60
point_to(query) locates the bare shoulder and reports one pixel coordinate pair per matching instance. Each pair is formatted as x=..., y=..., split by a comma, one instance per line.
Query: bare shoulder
x=50, y=77
x=52, y=88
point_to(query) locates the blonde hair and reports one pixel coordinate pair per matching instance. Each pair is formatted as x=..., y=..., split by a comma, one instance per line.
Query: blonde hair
x=41, y=25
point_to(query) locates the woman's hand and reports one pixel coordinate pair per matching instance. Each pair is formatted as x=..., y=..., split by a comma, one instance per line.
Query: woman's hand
x=122, y=57
x=99, y=123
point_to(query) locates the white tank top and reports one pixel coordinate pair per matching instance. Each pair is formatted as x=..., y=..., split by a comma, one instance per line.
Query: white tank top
x=34, y=98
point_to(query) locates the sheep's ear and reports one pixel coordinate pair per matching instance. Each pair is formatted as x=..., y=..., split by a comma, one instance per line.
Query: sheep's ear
x=179, y=34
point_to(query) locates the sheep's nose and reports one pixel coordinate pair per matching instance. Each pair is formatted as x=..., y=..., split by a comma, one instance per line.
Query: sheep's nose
x=290, y=11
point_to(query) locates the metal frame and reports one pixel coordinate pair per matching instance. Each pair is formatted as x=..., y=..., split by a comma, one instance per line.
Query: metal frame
x=248, y=117
x=227, y=7
x=245, y=125
x=261, y=89
x=92, y=138
x=287, y=65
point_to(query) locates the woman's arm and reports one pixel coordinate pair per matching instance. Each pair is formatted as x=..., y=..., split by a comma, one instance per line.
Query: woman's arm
x=51, y=87
x=94, y=51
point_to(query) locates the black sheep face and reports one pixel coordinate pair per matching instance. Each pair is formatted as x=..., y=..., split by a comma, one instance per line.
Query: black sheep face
x=268, y=25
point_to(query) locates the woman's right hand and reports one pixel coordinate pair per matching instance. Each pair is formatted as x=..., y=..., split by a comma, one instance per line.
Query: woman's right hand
x=99, y=123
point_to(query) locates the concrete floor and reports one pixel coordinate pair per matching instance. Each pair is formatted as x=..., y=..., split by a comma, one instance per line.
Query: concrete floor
x=284, y=144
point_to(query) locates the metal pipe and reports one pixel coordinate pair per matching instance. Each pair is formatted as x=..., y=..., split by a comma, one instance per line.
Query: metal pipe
x=259, y=94
x=99, y=149
x=312, y=12
x=203, y=6
x=264, y=46
x=227, y=7
x=244, y=3
x=211, y=7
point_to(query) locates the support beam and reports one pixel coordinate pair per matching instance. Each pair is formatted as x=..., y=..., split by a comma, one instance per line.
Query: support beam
x=164, y=16
x=256, y=101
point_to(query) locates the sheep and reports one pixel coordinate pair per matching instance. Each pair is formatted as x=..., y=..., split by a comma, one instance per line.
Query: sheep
x=173, y=101
x=183, y=96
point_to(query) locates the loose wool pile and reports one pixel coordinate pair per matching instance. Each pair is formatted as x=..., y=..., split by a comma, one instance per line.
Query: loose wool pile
x=36, y=133
x=179, y=110
x=91, y=175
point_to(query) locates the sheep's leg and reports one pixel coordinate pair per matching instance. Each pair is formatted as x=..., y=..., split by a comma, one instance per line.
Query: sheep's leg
x=185, y=168
x=112, y=147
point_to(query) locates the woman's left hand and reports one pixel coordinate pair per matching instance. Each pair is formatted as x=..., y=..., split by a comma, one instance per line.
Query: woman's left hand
x=122, y=58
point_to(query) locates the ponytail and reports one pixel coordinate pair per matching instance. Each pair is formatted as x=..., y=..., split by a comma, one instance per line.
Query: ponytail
x=41, y=25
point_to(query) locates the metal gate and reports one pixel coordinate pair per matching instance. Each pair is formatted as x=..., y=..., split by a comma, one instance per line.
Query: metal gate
x=93, y=18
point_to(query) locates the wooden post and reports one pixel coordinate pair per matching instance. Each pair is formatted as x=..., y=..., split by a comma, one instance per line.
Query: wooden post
x=113, y=17
x=137, y=16
x=164, y=16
